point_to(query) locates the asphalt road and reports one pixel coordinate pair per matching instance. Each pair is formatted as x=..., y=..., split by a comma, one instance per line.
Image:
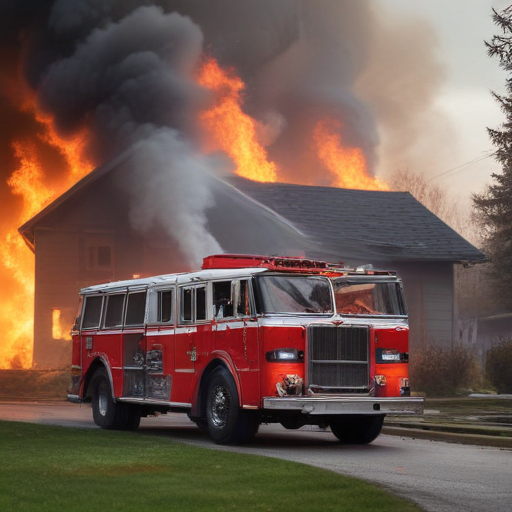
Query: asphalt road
x=438, y=476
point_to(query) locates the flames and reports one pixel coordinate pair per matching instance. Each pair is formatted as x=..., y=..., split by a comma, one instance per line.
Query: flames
x=29, y=182
x=229, y=128
x=225, y=126
x=346, y=164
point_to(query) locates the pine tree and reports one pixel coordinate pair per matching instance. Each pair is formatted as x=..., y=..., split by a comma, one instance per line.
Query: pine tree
x=494, y=206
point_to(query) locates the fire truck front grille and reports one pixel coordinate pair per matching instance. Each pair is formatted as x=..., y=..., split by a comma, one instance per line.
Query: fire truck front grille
x=338, y=359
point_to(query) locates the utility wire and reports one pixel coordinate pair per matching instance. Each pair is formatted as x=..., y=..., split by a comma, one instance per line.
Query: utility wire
x=461, y=167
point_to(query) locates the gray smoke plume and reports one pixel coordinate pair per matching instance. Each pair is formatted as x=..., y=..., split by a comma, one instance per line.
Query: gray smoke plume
x=124, y=70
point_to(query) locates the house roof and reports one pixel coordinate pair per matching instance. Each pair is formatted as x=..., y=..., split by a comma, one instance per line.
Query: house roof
x=329, y=223
x=387, y=226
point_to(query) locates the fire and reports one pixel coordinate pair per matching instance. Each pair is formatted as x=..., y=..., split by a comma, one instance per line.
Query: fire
x=16, y=261
x=59, y=331
x=230, y=129
x=227, y=128
x=347, y=165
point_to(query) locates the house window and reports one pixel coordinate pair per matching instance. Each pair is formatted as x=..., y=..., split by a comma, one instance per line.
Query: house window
x=99, y=253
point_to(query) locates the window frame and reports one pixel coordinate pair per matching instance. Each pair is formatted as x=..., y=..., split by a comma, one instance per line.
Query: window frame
x=127, y=303
x=108, y=296
x=193, y=287
x=85, y=301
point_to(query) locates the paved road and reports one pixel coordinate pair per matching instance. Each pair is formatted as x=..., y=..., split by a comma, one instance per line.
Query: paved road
x=438, y=476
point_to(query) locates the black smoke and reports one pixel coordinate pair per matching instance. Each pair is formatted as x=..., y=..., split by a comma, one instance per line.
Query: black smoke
x=124, y=70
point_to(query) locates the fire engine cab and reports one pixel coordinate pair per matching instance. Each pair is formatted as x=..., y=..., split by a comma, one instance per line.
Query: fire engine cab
x=247, y=340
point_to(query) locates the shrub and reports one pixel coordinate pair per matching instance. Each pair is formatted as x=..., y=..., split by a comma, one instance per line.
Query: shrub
x=438, y=371
x=498, y=366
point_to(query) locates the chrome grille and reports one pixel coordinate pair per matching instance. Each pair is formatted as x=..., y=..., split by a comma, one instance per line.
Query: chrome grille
x=338, y=358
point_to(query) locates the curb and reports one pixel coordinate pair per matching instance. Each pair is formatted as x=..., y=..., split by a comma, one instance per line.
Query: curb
x=450, y=437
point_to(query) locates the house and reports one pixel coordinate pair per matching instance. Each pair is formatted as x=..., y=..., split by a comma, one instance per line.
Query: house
x=85, y=237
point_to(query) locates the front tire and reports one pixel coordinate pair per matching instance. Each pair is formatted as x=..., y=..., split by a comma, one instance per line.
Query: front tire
x=107, y=413
x=357, y=429
x=227, y=423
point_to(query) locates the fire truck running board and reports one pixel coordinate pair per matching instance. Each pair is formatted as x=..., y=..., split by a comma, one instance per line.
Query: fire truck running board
x=346, y=405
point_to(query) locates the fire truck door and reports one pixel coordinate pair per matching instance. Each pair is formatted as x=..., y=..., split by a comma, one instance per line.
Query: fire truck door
x=158, y=364
x=159, y=346
x=191, y=333
x=237, y=334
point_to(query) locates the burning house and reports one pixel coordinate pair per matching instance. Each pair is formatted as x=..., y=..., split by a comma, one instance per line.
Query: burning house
x=146, y=135
x=86, y=237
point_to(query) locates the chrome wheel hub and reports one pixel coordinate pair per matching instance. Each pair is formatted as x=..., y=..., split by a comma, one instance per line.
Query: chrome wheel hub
x=220, y=403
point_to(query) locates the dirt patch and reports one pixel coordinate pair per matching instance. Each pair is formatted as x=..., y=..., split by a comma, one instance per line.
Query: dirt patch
x=34, y=384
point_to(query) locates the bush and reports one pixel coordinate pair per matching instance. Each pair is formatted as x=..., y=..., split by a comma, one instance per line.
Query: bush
x=438, y=371
x=498, y=366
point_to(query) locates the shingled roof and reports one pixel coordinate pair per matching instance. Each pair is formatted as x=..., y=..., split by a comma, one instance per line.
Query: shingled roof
x=337, y=224
x=383, y=226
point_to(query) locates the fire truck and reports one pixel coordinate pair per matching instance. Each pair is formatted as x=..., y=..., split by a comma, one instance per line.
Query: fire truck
x=244, y=341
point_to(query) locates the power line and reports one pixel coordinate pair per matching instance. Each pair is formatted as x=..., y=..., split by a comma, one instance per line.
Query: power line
x=461, y=167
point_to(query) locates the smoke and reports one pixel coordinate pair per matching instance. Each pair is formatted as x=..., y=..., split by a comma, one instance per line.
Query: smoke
x=400, y=83
x=173, y=169
x=124, y=71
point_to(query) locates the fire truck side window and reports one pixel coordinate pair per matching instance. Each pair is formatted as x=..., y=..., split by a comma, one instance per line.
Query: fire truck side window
x=92, y=312
x=186, y=305
x=242, y=299
x=191, y=297
x=165, y=306
x=136, y=308
x=201, y=303
x=114, y=316
x=222, y=301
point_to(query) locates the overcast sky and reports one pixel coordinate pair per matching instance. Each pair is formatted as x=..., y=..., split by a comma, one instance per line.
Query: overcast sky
x=462, y=26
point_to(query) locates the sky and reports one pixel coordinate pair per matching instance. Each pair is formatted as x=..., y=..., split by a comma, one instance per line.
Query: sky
x=464, y=98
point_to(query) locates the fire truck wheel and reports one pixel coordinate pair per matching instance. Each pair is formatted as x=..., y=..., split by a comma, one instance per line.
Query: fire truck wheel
x=106, y=413
x=227, y=424
x=357, y=429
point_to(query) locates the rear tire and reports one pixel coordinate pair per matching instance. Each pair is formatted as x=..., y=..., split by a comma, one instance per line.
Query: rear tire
x=227, y=423
x=107, y=413
x=357, y=429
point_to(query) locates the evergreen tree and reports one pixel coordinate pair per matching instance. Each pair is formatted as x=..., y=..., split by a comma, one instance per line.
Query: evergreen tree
x=494, y=206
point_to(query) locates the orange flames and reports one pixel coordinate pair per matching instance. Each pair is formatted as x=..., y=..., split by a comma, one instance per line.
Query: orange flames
x=226, y=126
x=347, y=165
x=16, y=261
x=230, y=129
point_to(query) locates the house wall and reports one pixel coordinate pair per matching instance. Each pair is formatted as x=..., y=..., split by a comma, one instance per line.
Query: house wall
x=429, y=289
x=63, y=266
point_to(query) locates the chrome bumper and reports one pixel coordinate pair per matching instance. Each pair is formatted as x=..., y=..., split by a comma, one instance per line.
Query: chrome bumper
x=346, y=405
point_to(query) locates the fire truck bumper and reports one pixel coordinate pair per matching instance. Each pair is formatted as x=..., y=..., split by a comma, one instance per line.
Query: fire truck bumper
x=346, y=405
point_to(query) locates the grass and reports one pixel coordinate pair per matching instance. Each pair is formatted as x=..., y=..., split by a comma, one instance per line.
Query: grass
x=48, y=468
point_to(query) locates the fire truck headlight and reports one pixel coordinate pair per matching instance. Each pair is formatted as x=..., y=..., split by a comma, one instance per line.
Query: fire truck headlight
x=380, y=380
x=285, y=355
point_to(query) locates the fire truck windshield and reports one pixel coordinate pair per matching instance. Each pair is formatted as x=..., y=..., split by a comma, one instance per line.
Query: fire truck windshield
x=294, y=294
x=369, y=298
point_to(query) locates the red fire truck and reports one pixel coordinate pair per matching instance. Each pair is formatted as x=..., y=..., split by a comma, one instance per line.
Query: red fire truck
x=247, y=340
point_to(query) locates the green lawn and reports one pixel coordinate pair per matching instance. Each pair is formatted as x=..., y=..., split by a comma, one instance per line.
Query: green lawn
x=65, y=469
